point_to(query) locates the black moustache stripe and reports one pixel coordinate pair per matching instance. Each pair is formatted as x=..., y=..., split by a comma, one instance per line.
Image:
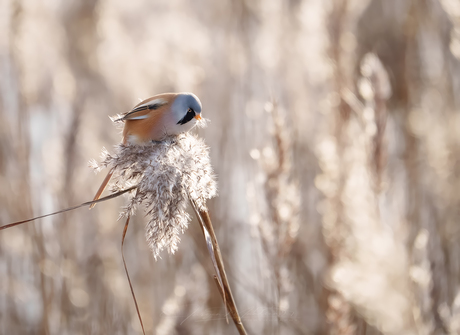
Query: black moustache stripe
x=189, y=116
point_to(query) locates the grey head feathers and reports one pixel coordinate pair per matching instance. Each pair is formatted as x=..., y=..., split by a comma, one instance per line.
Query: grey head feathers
x=188, y=100
x=186, y=106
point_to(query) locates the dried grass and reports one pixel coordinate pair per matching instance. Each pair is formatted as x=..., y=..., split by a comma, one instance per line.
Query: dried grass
x=166, y=175
x=372, y=174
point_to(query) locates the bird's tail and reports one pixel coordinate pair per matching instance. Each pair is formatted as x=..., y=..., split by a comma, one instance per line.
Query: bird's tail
x=102, y=187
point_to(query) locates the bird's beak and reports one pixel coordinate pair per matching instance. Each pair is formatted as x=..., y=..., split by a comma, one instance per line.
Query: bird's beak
x=197, y=116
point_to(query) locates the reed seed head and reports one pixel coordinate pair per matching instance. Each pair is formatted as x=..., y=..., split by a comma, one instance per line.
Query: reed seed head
x=166, y=173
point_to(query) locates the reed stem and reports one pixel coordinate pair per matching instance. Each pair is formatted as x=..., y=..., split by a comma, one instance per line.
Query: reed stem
x=227, y=296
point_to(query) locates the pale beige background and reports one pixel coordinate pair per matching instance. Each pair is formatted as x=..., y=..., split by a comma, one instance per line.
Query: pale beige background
x=339, y=170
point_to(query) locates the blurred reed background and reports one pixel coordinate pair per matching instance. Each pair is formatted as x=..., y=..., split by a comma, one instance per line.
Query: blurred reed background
x=335, y=135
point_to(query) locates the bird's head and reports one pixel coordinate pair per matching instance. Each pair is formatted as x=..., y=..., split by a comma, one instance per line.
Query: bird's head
x=186, y=112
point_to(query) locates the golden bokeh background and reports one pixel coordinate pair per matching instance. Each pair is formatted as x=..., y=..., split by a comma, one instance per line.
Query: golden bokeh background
x=334, y=133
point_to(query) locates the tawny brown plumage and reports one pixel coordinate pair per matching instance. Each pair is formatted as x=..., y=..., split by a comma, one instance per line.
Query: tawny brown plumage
x=148, y=129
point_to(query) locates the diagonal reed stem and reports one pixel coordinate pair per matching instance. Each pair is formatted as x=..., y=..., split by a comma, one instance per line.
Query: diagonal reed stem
x=127, y=274
x=111, y=196
x=227, y=296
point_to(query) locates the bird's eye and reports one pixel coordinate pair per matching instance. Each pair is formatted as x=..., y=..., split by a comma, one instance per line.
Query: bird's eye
x=189, y=116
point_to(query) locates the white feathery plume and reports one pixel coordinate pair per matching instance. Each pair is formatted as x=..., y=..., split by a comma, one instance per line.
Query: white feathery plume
x=167, y=173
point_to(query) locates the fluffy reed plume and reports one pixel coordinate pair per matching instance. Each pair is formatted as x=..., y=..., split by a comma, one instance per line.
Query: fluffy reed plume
x=281, y=189
x=367, y=255
x=276, y=212
x=167, y=174
x=421, y=275
x=340, y=315
x=451, y=316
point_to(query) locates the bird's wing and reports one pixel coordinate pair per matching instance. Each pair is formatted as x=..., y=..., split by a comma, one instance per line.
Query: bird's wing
x=141, y=111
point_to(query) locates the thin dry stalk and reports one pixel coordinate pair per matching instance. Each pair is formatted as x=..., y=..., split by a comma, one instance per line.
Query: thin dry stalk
x=206, y=224
x=127, y=274
x=111, y=196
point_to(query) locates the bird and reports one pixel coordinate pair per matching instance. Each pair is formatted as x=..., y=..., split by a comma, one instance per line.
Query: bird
x=155, y=118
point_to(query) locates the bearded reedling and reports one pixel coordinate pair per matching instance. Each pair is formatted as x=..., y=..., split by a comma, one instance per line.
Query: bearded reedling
x=154, y=119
